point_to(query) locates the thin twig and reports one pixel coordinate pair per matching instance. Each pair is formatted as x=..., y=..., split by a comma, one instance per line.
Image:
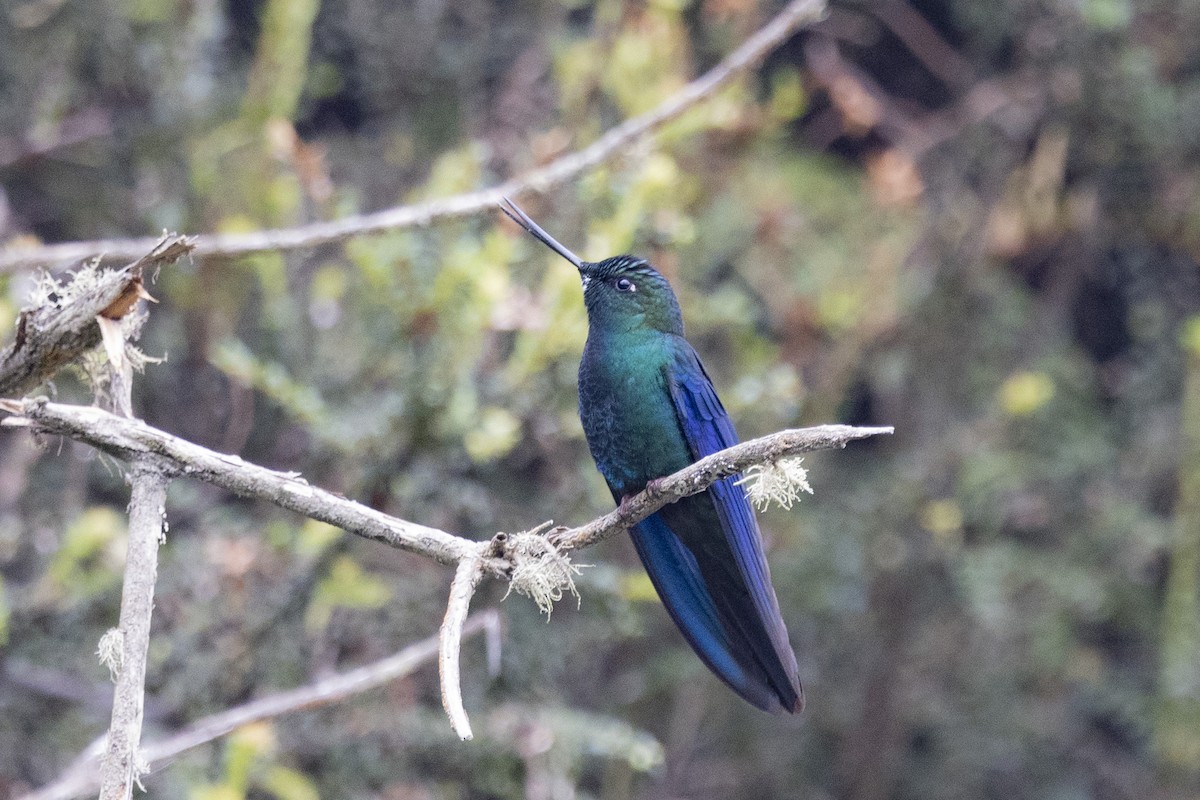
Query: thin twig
x=90, y=123
x=121, y=768
x=749, y=54
x=917, y=135
x=81, y=777
x=129, y=438
x=65, y=685
x=462, y=589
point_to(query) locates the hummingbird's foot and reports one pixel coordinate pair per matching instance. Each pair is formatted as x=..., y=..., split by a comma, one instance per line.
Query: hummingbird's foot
x=555, y=535
x=653, y=487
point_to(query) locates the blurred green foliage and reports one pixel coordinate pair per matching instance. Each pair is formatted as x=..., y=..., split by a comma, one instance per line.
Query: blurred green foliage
x=978, y=223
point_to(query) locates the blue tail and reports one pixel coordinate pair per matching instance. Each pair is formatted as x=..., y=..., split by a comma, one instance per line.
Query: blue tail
x=727, y=633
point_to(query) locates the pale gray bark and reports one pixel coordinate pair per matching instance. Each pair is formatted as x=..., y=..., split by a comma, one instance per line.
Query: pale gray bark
x=119, y=769
x=697, y=477
x=136, y=441
x=128, y=439
x=462, y=589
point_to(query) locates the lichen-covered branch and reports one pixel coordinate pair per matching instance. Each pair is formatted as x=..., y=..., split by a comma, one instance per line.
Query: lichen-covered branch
x=63, y=326
x=128, y=439
x=707, y=471
x=121, y=768
x=751, y=52
x=81, y=778
x=136, y=441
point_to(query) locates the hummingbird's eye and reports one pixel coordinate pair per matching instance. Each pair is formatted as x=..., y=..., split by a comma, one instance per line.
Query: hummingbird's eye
x=625, y=285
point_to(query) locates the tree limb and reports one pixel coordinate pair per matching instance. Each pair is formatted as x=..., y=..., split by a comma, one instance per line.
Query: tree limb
x=697, y=477
x=129, y=438
x=63, y=327
x=121, y=767
x=136, y=441
x=81, y=777
x=751, y=52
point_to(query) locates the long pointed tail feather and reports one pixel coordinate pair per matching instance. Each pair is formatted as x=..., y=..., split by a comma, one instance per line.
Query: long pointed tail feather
x=727, y=636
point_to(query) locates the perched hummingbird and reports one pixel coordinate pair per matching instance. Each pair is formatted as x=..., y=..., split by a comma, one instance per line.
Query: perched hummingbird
x=649, y=409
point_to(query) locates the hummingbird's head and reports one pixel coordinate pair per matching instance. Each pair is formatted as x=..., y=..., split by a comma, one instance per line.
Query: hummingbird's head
x=622, y=293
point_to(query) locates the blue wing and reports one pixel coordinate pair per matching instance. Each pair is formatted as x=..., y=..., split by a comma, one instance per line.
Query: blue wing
x=705, y=557
x=677, y=578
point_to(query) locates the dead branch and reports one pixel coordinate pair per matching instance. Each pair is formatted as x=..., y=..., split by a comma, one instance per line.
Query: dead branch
x=128, y=439
x=121, y=767
x=923, y=41
x=704, y=473
x=751, y=52
x=134, y=440
x=81, y=777
x=916, y=133
x=62, y=328
x=462, y=589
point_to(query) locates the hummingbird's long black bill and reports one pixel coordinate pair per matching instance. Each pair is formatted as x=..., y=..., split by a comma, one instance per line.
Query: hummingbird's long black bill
x=518, y=216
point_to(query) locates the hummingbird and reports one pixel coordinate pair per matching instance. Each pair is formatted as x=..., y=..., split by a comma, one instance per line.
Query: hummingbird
x=648, y=410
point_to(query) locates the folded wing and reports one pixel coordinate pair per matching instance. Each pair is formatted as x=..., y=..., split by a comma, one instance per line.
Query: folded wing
x=705, y=557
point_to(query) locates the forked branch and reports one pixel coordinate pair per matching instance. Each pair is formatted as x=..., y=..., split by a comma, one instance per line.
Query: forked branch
x=133, y=440
x=128, y=439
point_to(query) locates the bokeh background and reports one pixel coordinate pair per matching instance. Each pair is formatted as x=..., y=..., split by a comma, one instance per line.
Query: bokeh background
x=975, y=220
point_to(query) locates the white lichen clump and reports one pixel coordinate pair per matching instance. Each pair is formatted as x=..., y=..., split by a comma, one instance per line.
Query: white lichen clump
x=541, y=571
x=779, y=482
x=141, y=767
x=49, y=292
x=111, y=651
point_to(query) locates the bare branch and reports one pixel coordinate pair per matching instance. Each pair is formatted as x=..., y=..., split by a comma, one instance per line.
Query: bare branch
x=120, y=770
x=923, y=41
x=62, y=328
x=66, y=685
x=128, y=438
x=917, y=135
x=749, y=54
x=697, y=477
x=81, y=777
x=136, y=441
x=82, y=126
x=462, y=589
